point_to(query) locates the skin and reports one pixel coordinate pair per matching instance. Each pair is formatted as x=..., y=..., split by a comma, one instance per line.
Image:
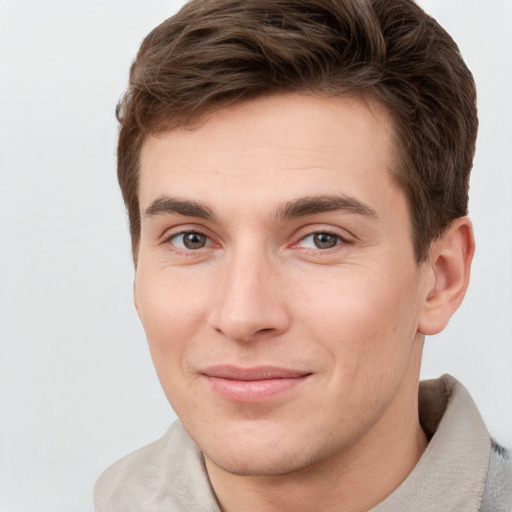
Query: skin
x=273, y=234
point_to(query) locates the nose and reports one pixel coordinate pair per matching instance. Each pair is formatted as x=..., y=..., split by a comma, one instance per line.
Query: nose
x=251, y=302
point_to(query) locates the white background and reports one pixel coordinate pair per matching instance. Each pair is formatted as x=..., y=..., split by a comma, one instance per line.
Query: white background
x=78, y=389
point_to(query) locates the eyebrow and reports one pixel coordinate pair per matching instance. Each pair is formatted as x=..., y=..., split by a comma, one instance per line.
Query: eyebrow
x=313, y=205
x=301, y=207
x=169, y=205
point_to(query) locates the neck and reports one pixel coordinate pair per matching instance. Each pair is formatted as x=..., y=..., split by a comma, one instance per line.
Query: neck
x=353, y=480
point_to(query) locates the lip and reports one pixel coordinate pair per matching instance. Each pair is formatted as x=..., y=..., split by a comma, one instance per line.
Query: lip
x=252, y=385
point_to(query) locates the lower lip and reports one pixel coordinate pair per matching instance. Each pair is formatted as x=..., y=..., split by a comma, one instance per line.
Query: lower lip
x=253, y=391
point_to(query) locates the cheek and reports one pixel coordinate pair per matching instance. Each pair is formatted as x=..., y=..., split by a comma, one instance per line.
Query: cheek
x=362, y=317
x=166, y=298
x=171, y=312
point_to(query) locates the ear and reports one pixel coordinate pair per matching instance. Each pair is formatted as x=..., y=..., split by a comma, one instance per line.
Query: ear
x=450, y=263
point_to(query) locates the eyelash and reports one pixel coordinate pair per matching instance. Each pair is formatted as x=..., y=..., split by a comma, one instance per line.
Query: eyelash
x=340, y=240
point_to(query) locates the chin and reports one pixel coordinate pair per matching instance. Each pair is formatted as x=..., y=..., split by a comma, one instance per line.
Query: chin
x=257, y=454
x=258, y=463
x=253, y=447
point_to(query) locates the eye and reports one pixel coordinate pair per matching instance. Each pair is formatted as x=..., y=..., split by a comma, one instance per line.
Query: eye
x=190, y=240
x=321, y=240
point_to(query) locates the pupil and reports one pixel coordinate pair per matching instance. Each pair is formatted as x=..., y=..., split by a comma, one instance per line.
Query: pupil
x=194, y=240
x=325, y=240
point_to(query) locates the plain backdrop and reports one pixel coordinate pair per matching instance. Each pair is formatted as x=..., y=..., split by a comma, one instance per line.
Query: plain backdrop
x=78, y=389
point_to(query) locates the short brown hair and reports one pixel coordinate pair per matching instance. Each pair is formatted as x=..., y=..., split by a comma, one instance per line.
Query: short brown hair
x=216, y=52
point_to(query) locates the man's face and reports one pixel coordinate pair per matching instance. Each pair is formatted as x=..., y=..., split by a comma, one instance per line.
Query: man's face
x=277, y=283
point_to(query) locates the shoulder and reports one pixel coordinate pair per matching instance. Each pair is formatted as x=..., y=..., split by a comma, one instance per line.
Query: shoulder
x=498, y=487
x=166, y=475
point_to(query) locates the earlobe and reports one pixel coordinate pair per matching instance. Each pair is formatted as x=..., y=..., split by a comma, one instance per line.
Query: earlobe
x=450, y=263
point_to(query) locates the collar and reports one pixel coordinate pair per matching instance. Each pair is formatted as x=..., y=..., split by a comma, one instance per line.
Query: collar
x=452, y=471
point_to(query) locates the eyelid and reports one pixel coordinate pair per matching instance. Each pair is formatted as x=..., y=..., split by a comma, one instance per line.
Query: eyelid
x=181, y=228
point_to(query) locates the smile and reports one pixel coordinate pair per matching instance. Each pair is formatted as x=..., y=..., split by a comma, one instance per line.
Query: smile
x=252, y=385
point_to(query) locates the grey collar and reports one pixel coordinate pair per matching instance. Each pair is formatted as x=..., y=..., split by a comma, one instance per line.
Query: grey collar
x=451, y=473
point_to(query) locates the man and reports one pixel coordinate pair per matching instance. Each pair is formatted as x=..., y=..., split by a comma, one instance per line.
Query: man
x=296, y=176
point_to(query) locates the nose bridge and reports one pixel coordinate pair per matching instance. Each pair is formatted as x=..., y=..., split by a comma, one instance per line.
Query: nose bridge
x=249, y=301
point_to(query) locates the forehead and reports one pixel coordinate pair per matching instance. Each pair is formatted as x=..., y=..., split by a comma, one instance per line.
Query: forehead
x=272, y=147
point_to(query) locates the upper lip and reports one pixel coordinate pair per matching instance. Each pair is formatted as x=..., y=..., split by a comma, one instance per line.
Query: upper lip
x=254, y=373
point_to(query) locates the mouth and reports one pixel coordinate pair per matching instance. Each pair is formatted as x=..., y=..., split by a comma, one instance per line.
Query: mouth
x=252, y=385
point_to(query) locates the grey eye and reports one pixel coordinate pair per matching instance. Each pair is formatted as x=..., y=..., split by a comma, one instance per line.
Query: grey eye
x=190, y=240
x=321, y=240
x=325, y=240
